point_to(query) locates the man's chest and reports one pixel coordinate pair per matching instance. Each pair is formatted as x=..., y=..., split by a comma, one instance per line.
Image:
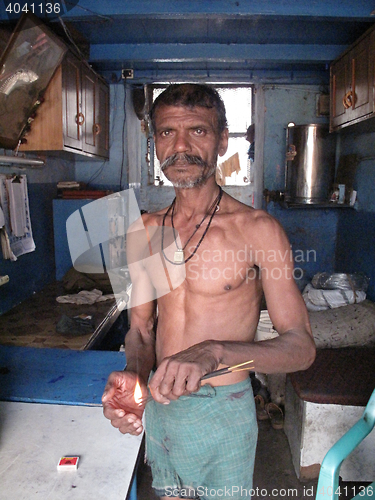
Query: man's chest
x=219, y=268
x=213, y=264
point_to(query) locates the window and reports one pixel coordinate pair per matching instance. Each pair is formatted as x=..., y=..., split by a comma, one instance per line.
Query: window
x=234, y=167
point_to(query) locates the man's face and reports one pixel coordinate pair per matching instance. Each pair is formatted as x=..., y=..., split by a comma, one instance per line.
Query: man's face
x=188, y=144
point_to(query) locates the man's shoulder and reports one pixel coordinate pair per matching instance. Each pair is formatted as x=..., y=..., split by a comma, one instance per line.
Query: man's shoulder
x=147, y=219
x=263, y=222
x=249, y=214
x=256, y=225
x=154, y=218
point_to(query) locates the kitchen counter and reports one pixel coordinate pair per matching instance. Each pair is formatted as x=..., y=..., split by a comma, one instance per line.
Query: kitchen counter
x=33, y=322
x=35, y=436
x=50, y=407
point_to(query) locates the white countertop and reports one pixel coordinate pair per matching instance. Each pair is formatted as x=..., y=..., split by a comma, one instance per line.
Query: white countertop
x=33, y=437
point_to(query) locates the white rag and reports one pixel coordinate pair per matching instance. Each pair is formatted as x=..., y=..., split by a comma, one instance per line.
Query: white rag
x=85, y=297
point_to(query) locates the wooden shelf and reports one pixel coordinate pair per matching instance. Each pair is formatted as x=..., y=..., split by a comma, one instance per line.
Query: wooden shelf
x=330, y=205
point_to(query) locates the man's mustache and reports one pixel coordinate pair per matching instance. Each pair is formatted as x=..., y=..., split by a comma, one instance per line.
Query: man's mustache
x=183, y=157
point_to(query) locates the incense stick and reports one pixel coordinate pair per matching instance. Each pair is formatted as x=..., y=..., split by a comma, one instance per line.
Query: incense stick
x=230, y=369
x=145, y=400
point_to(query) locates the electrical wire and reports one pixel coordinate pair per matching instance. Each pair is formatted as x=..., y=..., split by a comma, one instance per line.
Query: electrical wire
x=123, y=139
x=96, y=173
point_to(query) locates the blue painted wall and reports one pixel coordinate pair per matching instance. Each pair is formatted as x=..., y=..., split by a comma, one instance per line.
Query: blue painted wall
x=312, y=234
x=32, y=271
x=311, y=231
x=343, y=239
x=355, y=249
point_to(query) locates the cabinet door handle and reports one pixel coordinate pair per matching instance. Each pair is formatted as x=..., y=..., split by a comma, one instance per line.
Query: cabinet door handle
x=347, y=100
x=80, y=119
x=97, y=129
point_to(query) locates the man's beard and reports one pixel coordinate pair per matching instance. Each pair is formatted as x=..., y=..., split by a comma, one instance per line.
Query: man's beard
x=206, y=172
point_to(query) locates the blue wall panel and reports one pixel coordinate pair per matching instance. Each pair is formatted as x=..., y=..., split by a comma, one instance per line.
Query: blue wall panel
x=62, y=209
x=32, y=271
x=311, y=231
x=312, y=234
x=355, y=250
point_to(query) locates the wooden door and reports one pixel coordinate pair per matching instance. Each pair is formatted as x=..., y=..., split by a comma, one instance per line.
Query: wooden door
x=362, y=103
x=72, y=114
x=89, y=110
x=340, y=86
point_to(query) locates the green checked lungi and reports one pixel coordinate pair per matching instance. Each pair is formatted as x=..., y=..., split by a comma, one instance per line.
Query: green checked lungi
x=203, y=445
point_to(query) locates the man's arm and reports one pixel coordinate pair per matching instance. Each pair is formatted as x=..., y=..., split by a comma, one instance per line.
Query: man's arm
x=140, y=339
x=118, y=401
x=294, y=349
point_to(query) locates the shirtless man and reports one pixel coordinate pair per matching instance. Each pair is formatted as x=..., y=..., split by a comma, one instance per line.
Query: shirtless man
x=203, y=435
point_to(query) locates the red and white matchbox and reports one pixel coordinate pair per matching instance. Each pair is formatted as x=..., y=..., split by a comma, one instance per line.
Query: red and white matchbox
x=68, y=463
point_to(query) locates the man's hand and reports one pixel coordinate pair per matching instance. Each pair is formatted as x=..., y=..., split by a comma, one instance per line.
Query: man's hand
x=119, y=405
x=181, y=374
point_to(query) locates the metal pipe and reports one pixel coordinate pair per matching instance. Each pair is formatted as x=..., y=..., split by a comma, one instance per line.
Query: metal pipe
x=4, y=159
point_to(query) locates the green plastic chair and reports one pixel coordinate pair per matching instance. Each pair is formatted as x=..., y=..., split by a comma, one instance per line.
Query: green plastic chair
x=328, y=483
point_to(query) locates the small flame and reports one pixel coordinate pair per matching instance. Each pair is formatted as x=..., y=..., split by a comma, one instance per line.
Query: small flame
x=137, y=393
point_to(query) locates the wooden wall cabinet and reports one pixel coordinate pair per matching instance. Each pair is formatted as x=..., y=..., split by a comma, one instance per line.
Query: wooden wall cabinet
x=352, y=83
x=74, y=116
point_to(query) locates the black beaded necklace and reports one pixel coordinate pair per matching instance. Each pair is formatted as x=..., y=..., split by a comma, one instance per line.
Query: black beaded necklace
x=179, y=253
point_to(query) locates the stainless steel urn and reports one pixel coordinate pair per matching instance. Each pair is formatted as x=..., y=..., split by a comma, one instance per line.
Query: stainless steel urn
x=309, y=164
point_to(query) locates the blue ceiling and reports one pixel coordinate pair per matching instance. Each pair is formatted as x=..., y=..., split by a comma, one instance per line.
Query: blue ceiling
x=249, y=40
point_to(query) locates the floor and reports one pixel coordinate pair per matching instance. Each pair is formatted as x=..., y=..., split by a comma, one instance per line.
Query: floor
x=274, y=475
